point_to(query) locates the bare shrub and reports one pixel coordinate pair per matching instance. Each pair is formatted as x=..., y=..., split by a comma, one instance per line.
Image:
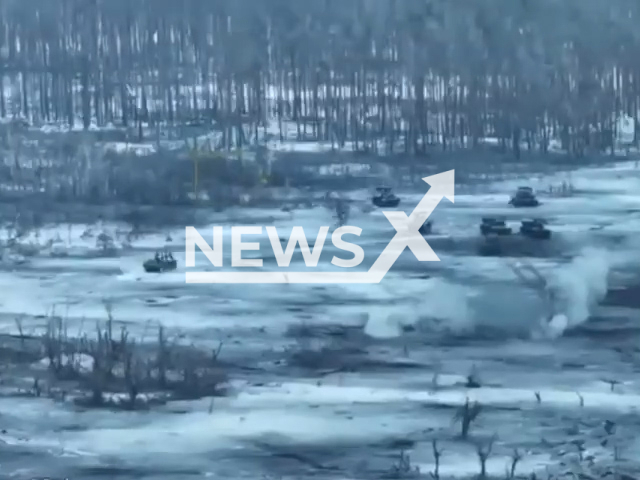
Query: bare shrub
x=123, y=365
x=466, y=415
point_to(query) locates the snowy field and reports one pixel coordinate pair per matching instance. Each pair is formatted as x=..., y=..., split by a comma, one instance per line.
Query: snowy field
x=346, y=381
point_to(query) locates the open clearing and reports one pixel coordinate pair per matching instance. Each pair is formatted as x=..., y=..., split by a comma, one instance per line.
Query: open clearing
x=345, y=382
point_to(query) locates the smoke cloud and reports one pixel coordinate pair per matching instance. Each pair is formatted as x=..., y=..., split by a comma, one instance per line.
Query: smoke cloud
x=441, y=305
x=578, y=287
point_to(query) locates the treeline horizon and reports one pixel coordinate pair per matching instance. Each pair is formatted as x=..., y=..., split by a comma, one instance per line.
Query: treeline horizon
x=384, y=75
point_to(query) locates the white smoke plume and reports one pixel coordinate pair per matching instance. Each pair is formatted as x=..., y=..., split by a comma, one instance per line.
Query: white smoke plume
x=577, y=288
x=569, y=293
x=442, y=304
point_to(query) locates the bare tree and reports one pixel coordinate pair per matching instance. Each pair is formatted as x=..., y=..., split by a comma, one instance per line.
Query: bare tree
x=406, y=75
x=483, y=449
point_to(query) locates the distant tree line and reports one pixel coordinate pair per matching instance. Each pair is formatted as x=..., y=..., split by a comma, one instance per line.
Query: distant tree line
x=387, y=75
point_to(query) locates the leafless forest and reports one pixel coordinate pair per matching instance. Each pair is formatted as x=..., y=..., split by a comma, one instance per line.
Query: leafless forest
x=407, y=74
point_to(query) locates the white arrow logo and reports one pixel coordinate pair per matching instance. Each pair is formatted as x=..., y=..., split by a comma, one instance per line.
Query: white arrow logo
x=407, y=228
x=407, y=236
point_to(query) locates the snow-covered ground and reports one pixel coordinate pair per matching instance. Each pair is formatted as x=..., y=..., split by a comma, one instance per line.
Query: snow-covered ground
x=393, y=359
